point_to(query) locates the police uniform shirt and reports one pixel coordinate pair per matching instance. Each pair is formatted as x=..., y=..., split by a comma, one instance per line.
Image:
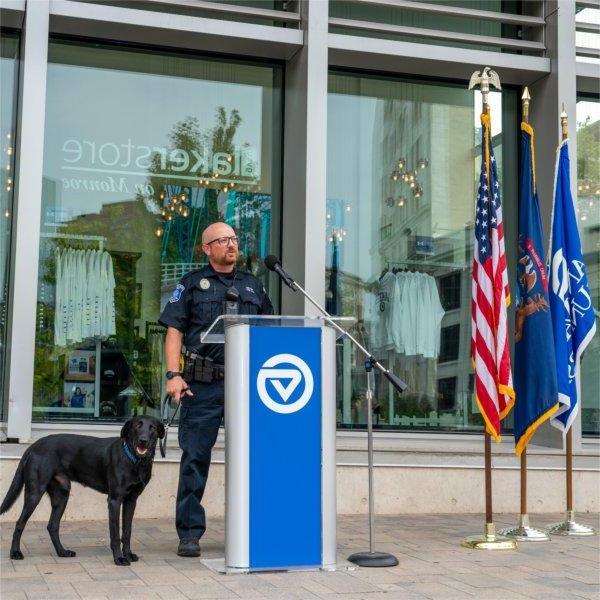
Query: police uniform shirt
x=199, y=298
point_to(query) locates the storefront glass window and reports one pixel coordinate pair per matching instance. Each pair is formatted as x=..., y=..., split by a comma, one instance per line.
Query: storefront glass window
x=403, y=164
x=9, y=47
x=588, y=207
x=142, y=151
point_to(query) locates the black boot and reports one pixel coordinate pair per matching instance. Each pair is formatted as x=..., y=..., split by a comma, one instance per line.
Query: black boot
x=189, y=547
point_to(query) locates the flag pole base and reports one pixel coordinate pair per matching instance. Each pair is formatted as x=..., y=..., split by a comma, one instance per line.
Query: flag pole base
x=570, y=527
x=373, y=559
x=490, y=540
x=524, y=532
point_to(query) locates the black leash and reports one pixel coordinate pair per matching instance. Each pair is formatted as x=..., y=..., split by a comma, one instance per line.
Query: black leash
x=167, y=422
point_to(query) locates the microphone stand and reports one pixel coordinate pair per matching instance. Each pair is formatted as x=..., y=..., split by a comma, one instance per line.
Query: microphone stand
x=395, y=381
x=370, y=558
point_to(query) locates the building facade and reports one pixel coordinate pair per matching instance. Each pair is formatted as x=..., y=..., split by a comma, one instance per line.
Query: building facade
x=337, y=134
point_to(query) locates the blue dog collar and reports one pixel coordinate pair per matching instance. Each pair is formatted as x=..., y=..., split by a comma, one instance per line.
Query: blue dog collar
x=129, y=454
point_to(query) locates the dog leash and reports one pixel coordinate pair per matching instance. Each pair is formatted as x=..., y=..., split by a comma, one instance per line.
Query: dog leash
x=167, y=422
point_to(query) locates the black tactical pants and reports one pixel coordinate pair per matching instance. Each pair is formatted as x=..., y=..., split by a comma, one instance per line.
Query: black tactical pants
x=199, y=423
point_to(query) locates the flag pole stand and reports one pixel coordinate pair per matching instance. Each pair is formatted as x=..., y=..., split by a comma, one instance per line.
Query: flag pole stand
x=371, y=558
x=490, y=539
x=569, y=526
x=523, y=532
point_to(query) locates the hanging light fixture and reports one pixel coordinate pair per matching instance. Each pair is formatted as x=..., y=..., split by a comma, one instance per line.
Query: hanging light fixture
x=422, y=163
x=401, y=201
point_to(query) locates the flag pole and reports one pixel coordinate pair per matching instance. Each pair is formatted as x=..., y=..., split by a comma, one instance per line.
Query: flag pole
x=490, y=540
x=523, y=532
x=569, y=526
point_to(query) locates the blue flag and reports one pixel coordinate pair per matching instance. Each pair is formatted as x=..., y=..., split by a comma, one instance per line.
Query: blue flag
x=573, y=318
x=536, y=395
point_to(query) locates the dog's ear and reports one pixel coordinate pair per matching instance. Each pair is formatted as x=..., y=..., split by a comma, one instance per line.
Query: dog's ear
x=161, y=429
x=126, y=429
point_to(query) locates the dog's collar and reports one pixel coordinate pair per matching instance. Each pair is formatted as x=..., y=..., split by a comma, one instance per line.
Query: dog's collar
x=129, y=453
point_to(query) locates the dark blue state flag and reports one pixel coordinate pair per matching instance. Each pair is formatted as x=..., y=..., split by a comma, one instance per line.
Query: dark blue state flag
x=535, y=366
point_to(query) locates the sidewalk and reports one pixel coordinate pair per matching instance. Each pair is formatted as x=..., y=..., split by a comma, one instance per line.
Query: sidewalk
x=432, y=565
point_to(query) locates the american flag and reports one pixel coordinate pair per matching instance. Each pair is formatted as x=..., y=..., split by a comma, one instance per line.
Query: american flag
x=490, y=297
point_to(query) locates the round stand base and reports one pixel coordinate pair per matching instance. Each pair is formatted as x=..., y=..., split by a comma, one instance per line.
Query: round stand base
x=525, y=534
x=570, y=527
x=490, y=541
x=373, y=559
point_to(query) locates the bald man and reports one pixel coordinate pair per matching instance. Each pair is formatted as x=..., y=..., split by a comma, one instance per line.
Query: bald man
x=198, y=299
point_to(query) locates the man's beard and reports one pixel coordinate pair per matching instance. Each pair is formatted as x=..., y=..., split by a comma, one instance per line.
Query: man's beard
x=227, y=260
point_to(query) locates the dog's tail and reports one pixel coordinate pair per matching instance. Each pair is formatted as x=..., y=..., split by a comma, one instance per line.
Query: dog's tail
x=15, y=487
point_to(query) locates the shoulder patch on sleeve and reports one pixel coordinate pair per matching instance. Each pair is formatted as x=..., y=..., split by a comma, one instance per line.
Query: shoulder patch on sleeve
x=177, y=293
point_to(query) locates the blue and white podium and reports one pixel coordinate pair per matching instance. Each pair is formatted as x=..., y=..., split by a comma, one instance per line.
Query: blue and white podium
x=280, y=424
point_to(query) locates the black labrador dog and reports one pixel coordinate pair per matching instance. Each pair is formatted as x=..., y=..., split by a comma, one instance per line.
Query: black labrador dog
x=120, y=467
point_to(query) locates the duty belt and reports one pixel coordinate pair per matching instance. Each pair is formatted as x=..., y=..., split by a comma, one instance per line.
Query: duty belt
x=198, y=368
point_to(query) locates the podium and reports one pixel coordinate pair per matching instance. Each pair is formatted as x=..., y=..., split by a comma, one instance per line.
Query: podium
x=280, y=425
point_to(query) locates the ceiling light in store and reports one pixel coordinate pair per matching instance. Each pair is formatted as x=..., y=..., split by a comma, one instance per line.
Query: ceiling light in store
x=396, y=175
x=183, y=197
x=401, y=163
x=401, y=201
x=348, y=208
x=7, y=213
x=418, y=192
x=9, y=151
x=423, y=162
x=159, y=231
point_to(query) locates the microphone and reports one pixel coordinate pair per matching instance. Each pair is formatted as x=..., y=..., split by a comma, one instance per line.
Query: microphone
x=232, y=300
x=273, y=264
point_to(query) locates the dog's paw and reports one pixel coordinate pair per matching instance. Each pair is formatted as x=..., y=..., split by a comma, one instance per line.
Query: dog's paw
x=16, y=555
x=132, y=557
x=67, y=553
x=121, y=561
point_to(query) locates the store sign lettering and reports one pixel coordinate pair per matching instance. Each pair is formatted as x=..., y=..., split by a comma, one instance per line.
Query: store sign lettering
x=131, y=159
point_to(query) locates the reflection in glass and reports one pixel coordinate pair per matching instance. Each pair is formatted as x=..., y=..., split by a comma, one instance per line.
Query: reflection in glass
x=9, y=46
x=142, y=151
x=588, y=213
x=403, y=164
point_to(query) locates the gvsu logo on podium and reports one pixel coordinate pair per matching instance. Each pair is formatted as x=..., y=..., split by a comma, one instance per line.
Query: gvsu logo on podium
x=285, y=372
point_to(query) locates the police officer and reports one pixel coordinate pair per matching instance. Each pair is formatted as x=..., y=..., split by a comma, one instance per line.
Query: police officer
x=197, y=301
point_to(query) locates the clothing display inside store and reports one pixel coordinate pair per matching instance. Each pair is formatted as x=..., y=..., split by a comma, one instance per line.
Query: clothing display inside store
x=409, y=313
x=84, y=295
